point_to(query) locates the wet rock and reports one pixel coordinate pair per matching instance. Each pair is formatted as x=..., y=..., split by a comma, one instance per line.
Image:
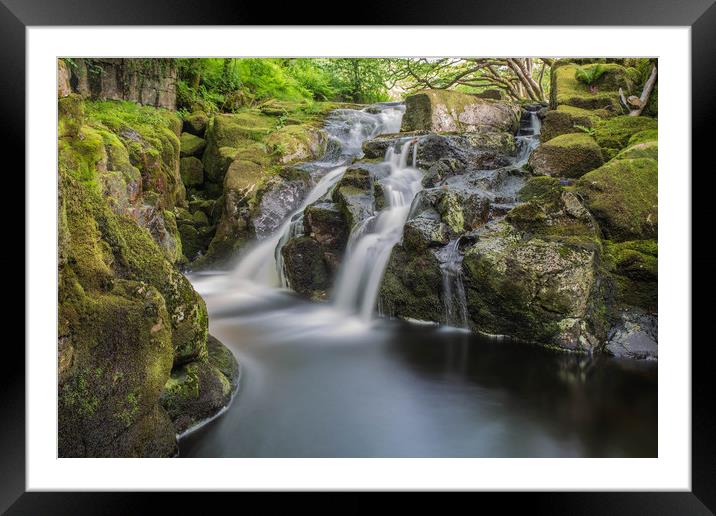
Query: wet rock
x=200, y=389
x=306, y=269
x=479, y=150
x=324, y=222
x=634, y=336
x=277, y=198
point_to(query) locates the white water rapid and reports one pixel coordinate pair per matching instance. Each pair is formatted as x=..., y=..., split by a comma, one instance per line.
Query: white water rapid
x=370, y=243
x=347, y=130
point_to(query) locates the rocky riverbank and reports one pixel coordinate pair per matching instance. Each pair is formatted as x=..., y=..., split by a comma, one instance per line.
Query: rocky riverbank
x=143, y=194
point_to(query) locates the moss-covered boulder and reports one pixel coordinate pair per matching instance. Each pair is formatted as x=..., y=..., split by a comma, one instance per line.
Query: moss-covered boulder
x=633, y=267
x=196, y=123
x=115, y=354
x=411, y=285
x=567, y=155
x=622, y=195
x=538, y=290
x=234, y=136
x=126, y=315
x=446, y=110
x=569, y=119
x=614, y=134
x=191, y=145
x=199, y=390
x=192, y=171
x=566, y=89
x=640, y=150
x=297, y=143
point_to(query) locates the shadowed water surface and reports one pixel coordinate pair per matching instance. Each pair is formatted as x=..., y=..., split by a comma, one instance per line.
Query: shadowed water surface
x=318, y=383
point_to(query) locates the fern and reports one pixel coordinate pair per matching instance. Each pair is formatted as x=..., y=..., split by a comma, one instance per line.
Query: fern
x=590, y=76
x=589, y=130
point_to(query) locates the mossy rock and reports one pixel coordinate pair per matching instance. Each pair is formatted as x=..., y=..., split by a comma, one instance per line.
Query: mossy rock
x=411, y=285
x=453, y=111
x=117, y=353
x=640, y=150
x=71, y=115
x=191, y=145
x=566, y=89
x=140, y=138
x=533, y=289
x=614, y=134
x=622, y=195
x=196, y=123
x=198, y=390
x=569, y=119
x=567, y=155
x=294, y=143
x=192, y=171
x=544, y=189
x=634, y=269
x=647, y=135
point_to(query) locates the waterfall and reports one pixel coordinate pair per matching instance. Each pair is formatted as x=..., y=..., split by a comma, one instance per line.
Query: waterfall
x=527, y=138
x=347, y=130
x=371, y=243
x=454, y=298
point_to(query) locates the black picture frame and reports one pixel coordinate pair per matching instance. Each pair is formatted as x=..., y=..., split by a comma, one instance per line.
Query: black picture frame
x=699, y=15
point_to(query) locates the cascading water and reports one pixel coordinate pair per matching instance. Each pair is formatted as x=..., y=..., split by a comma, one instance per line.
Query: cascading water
x=371, y=243
x=454, y=298
x=528, y=136
x=347, y=130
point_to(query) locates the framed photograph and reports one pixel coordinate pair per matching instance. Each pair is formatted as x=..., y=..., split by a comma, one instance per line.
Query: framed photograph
x=423, y=255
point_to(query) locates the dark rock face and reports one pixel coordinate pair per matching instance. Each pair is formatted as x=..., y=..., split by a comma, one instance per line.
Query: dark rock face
x=306, y=270
x=634, y=336
x=479, y=150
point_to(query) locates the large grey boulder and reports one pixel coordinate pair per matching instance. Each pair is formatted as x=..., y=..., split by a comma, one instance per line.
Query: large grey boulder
x=445, y=110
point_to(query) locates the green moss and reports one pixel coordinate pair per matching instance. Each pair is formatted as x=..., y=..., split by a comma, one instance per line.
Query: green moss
x=633, y=266
x=645, y=136
x=614, y=134
x=544, y=189
x=191, y=145
x=191, y=171
x=566, y=89
x=70, y=115
x=411, y=286
x=622, y=195
x=567, y=155
x=640, y=150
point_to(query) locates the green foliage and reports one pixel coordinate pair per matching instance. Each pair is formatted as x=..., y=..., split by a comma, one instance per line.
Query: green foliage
x=228, y=84
x=589, y=130
x=589, y=76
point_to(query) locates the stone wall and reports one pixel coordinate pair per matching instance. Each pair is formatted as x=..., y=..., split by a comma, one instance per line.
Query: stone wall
x=151, y=82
